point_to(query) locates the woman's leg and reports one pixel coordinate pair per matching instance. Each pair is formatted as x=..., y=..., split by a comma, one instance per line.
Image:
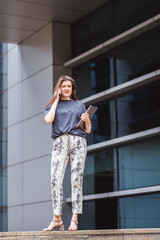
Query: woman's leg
x=78, y=151
x=55, y=223
x=74, y=222
x=58, y=166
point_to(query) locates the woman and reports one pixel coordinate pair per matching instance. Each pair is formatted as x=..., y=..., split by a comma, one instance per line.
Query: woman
x=69, y=143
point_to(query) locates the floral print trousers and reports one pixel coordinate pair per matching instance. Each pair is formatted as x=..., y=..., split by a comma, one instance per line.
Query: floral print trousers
x=67, y=147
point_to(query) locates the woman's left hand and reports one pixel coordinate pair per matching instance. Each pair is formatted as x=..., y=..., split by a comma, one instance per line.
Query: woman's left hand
x=85, y=117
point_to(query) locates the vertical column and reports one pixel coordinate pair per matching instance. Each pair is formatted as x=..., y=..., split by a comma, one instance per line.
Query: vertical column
x=30, y=84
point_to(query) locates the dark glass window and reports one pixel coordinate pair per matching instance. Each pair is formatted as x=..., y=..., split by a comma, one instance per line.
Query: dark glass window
x=140, y=211
x=100, y=175
x=3, y=187
x=138, y=56
x=3, y=148
x=94, y=76
x=139, y=110
x=127, y=14
x=135, y=111
x=99, y=214
x=3, y=219
x=128, y=61
x=134, y=165
x=134, y=212
x=102, y=124
x=111, y=19
x=3, y=110
x=139, y=164
x=92, y=30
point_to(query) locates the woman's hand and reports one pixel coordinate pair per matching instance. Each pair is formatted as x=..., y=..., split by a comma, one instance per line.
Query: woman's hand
x=49, y=118
x=58, y=96
x=85, y=118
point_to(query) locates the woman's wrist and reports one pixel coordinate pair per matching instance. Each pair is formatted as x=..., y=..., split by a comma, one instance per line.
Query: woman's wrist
x=54, y=105
x=88, y=124
x=88, y=127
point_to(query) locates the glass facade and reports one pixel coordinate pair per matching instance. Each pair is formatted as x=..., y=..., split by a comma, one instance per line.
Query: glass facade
x=3, y=138
x=127, y=212
x=139, y=110
x=138, y=166
x=131, y=165
x=113, y=18
x=100, y=172
x=124, y=63
x=140, y=211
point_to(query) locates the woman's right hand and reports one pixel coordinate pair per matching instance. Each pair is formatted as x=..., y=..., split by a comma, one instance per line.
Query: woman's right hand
x=49, y=118
x=58, y=95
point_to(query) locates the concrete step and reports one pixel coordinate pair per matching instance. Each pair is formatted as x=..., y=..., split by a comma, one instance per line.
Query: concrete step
x=122, y=234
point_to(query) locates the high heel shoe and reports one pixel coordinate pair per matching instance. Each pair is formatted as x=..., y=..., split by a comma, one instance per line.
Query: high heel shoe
x=52, y=226
x=73, y=228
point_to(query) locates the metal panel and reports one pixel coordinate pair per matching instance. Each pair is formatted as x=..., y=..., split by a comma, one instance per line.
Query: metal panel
x=18, y=16
x=118, y=194
x=116, y=142
x=123, y=88
x=21, y=23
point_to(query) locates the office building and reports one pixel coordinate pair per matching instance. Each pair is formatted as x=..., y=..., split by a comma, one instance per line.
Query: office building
x=111, y=48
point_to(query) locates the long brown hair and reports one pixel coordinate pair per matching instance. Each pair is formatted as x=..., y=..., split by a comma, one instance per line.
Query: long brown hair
x=58, y=85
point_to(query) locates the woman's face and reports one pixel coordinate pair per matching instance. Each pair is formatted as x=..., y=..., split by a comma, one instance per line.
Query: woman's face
x=66, y=88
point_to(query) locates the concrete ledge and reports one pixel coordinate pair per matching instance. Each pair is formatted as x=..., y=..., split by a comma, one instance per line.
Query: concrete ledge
x=121, y=234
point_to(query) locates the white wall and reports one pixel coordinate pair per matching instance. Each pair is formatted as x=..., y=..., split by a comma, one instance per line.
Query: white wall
x=33, y=68
x=30, y=86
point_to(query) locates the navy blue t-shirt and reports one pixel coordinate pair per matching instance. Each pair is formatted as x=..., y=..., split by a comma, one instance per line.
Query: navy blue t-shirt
x=67, y=116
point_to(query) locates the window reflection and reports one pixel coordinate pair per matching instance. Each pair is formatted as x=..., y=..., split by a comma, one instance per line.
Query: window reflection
x=3, y=187
x=3, y=219
x=102, y=123
x=137, y=57
x=139, y=110
x=139, y=164
x=100, y=175
x=134, y=212
x=140, y=211
x=92, y=30
x=109, y=20
x=94, y=76
x=126, y=62
x=99, y=214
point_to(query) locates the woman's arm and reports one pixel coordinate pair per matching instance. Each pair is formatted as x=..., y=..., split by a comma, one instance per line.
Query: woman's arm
x=85, y=118
x=49, y=118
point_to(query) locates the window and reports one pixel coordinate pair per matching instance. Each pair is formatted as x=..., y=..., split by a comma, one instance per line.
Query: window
x=127, y=212
x=131, y=165
x=100, y=172
x=111, y=19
